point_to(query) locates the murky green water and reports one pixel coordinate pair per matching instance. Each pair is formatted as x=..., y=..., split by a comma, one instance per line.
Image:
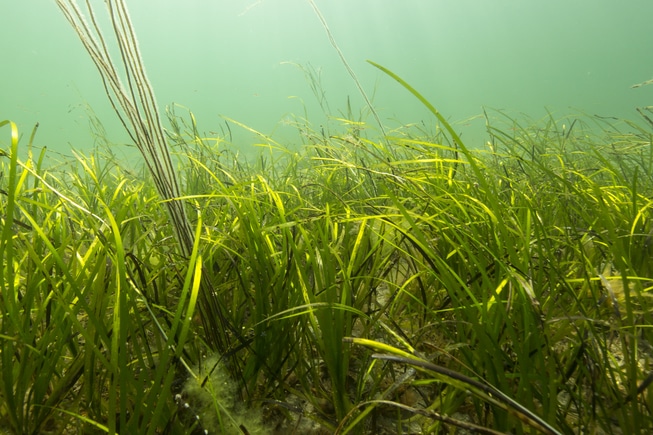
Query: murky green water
x=233, y=58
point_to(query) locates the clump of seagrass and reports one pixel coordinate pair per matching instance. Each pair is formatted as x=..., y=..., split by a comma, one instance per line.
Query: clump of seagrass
x=136, y=107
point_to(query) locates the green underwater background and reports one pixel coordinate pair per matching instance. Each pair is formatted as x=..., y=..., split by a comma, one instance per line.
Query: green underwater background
x=235, y=58
x=338, y=217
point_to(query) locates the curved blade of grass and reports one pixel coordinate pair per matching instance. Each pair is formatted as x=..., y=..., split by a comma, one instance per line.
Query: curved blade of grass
x=456, y=138
x=471, y=427
x=85, y=419
x=426, y=104
x=481, y=390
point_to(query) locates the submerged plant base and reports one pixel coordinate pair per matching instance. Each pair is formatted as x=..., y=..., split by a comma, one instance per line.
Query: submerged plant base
x=404, y=287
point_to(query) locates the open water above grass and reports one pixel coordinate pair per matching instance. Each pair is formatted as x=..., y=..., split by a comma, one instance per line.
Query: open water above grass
x=230, y=58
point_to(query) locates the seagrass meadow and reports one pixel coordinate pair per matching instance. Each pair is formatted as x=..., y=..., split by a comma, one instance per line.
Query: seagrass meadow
x=375, y=280
x=402, y=285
